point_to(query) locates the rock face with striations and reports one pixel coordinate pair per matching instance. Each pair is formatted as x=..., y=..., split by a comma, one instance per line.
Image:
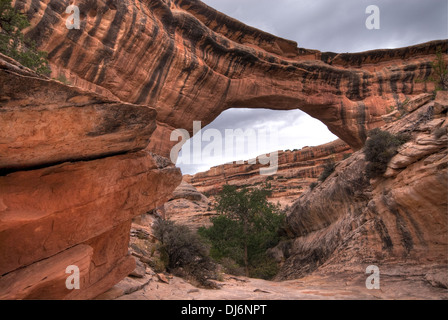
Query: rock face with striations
x=79, y=162
x=74, y=174
x=397, y=221
x=189, y=207
x=192, y=62
x=296, y=171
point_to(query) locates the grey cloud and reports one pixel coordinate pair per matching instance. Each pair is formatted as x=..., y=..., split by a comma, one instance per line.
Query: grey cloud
x=295, y=130
x=326, y=25
x=339, y=26
x=247, y=118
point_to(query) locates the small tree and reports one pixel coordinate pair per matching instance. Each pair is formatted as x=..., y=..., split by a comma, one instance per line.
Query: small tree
x=440, y=71
x=13, y=42
x=379, y=150
x=329, y=168
x=185, y=253
x=247, y=226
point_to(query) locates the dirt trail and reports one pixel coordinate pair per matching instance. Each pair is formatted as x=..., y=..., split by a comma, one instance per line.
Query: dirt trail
x=337, y=286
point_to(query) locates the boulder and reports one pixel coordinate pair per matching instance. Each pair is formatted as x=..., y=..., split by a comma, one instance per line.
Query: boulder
x=417, y=102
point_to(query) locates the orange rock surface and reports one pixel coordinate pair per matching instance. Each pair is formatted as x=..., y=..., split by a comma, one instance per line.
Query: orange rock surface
x=399, y=219
x=72, y=177
x=47, y=122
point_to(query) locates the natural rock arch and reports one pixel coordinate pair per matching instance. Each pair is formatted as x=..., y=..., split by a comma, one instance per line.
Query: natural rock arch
x=191, y=62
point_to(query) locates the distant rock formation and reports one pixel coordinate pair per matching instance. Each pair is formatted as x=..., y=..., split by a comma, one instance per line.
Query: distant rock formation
x=296, y=171
x=189, y=207
x=79, y=161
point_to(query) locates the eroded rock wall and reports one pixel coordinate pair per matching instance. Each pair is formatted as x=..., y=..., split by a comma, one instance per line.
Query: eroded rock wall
x=398, y=219
x=74, y=174
x=78, y=162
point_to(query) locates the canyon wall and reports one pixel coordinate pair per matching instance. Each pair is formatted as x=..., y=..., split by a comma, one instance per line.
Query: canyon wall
x=79, y=161
x=397, y=221
x=73, y=175
x=192, y=203
x=191, y=62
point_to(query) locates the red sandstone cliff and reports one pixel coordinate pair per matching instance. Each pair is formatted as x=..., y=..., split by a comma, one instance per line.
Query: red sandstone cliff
x=75, y=166
x=192, y=203
x=397, y=221
x=74, y=174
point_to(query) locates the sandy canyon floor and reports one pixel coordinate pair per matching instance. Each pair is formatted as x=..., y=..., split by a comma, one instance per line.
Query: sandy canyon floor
x=314, y=287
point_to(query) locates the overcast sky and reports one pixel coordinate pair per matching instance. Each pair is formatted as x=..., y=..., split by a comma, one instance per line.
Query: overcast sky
x=326, y=25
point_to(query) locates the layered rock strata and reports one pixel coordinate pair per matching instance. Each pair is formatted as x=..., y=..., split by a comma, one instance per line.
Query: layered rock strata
x=192, y=203
x=73, y=168
x=74, y=174
x=189, y=207
x=296, y=170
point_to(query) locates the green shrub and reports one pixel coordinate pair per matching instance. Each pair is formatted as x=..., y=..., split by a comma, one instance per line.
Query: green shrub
x=439, y=132
x=379, y=149
x=186, y=254
x=63, y=79
x=265, y=268
x=248, y=225
x=157, y=264
x=440, y=71
x=231, y=267
x=15, y=45
x=439, y=75
x=347, y=155
x=313, y=185
x=329, y=168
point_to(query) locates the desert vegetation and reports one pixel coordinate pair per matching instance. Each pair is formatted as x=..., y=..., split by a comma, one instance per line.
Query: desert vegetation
x=247, y=226
x=184, y=254
x=440, y=68
x=237, y=243
x=440, y=73
x=329, y=168
x=15, y=45
x=380, y=147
